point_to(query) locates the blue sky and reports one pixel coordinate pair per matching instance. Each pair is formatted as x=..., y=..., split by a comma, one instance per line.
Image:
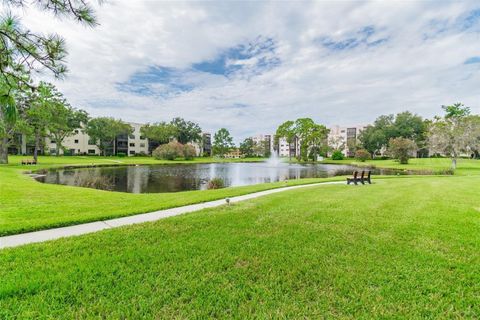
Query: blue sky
x=248, y=66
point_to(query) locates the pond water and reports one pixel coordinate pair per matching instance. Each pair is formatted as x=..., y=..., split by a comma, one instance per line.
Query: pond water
x=181, y=177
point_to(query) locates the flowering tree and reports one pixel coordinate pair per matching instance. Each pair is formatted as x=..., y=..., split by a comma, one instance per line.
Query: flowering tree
x=456, y=133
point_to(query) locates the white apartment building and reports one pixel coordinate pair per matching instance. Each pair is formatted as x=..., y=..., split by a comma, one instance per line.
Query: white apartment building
x=267, y=139
x=341, y=137
x=133, y=144
x=286, y=149
x=137, y=144
x=80, y=143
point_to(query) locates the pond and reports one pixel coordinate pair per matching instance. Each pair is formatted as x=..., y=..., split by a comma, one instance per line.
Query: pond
x=182, y=177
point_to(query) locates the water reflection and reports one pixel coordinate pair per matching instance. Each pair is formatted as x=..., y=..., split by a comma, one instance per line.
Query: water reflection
x=172, y=178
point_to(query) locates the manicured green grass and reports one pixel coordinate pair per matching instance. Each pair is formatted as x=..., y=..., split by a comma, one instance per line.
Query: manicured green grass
x=400, y=248
x=28, y=205
x=435, y=165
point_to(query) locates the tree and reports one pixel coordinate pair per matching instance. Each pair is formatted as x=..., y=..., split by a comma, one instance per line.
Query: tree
x=286, y=130
x=222, y=142
x=316, y=140
x=186, y=131
x=302, y=128
x=336, y=143
x=376, y=137
x=160, y=132
x=247, y=147
x=23, y=51
x=260, y=148
x=8, y=116
x=456, y=133
x=104, y=130
x=65, y=120
x=402, y=149
x=42, y=104
x=372, y=139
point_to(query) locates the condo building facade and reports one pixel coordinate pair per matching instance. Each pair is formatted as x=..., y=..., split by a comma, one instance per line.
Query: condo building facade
x=80, y=144
x=345, y=138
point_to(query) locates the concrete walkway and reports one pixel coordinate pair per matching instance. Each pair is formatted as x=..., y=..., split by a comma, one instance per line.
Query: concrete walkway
x=56, y=233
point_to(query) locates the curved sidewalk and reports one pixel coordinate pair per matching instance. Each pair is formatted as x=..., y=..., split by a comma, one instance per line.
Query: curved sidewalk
x=75, y=230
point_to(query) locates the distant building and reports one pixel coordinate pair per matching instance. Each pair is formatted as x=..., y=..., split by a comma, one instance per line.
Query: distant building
x=206, y=144
x=263, y=144
x=345, y=138
x=286, y=149
x=233, y=154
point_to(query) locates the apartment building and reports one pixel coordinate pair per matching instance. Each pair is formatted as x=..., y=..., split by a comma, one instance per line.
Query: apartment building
x=81, y=144
x=344, y=138
x=286, y=149
x=206, y=144
x=266, y=140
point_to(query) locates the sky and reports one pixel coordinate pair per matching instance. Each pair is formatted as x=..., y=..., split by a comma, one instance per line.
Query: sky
x=249, y=66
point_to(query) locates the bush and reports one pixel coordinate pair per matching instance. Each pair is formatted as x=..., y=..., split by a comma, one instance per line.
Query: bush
x=169, y=151
x=362, y=155
x=189, y=152
x=337, y=155
x=121, y=154
x=215, y=183
x=401, y=149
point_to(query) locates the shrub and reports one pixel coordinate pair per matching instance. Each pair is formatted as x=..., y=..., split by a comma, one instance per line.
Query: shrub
x=401, y=149
x=169, y=151
x=121, y=154
x=362, y=155
x=215, y=183
x=337, y=155
x=189, y=152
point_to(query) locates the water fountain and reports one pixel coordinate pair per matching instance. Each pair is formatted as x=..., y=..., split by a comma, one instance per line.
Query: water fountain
x=274, y=160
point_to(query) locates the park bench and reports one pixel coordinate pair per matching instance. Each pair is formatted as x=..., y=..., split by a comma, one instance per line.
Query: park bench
x=29, y=161
x=354, y=179
x=362, y=179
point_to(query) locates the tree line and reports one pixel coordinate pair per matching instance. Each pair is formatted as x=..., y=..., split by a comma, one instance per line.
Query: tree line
x=399, y=136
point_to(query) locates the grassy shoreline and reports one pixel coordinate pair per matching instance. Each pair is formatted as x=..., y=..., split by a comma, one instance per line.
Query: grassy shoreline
x=27, y=205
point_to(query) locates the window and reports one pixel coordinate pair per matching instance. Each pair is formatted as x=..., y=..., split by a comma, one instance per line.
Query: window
x=76, y=141
x=132, y=152
x=52, y=141
x=142, y=138
x=142, y=145
x=351, y=132
x=76, y=131
x=132, y=144
x=91, y=142
x=91, y=151
x=132, y=137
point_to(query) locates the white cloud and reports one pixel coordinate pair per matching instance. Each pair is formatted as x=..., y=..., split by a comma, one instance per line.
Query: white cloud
x=418, y=67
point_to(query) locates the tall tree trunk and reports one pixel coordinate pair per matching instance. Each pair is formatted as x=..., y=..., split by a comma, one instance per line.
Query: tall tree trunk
x=454, y=163
x=58, y=146
x=4, y=150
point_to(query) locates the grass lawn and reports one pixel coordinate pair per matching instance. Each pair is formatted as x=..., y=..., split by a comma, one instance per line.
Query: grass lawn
x=27, y=205
x=400, y=248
